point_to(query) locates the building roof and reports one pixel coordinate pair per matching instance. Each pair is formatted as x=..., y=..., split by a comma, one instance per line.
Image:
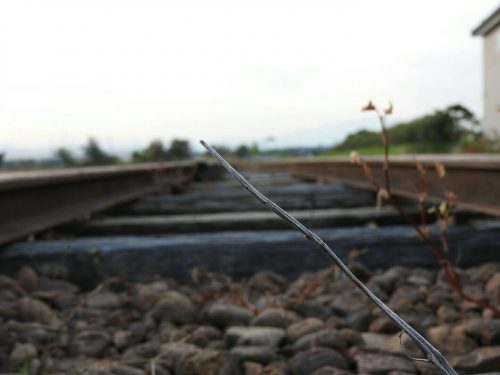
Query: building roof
x=489, y=24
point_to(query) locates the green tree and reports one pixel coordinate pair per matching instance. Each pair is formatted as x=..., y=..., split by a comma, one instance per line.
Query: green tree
x=2, y=158
x=448, y=126
x=66, y=157
x=153, y=153
x=94, y=155
x=242, y=151
x=179, y=150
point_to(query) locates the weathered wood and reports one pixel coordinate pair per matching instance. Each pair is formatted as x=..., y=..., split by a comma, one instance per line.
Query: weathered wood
x=252, y=220
x=231, y=199
x=240, y=254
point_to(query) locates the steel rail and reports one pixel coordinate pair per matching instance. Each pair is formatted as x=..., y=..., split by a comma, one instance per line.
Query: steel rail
x=433, y=355
x=475, y=179
x=35, y=201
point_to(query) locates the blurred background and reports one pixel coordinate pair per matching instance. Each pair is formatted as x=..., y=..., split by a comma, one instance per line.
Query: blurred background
x=103, y=82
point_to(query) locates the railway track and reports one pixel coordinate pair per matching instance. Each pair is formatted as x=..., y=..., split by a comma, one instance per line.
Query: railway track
x=218, y=226
x=112, y=262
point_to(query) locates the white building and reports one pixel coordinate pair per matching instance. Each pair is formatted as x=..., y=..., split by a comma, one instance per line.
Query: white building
x=489, y=29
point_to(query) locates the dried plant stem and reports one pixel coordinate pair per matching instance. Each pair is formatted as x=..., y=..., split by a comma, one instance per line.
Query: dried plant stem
x=433, y=355
x=385, y=142
x=421, y=230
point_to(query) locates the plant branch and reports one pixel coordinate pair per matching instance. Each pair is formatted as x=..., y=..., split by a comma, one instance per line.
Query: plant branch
x=422, y=230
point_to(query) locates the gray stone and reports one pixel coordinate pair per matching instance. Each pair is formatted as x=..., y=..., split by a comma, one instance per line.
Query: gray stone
x=483, y=272
x=10, y=289
x=303, y=327
x=481, y=359
x=120, y=369
x=312, y=308
x=405, y=297
x=33, y=310
x=203, y=362
x=388, y=279
x=141, y=328
x=173, y=352
x=330, y=370
x=103, y=299
x=35, y=367
x=174, y=307
x=254, y=336
x=360, y=270
x=486, y=330
x=304, y=363
x=447, y=313
x=458, y=342
x=122, y=339
x=144, y=350
x=383, y=325
x=267, y=281
x=327, y=337
x=147, y=295
x=351, y=337
x=23, y=352
x=275, y=317
x=91, y=343
x=59, y=285
x=260, y=354
x=381, y=363
x=493, y=289
x=203, y=335
x=438, y=335
x=27, y=278
x=224, y=314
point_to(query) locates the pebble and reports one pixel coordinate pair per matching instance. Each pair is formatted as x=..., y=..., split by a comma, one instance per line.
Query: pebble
x=22, y=352
x=267, y=281
x=103, y=299
x=120, y=369
x=330, y=370
x=493, y=289
x=27, y=278
x=328, y=337
x=260, y=354
x=203, y=362
x=265, y=325
x=203, y=336
x=254, y=336
x=303, y=327
x=33, y=310
x=275, y=317
x=91, y=343
x=383, y=325
x=303, y=363
x=144, y=350
x=174, y=307
x=225, y=314
x=382, y=363
x=480, y=360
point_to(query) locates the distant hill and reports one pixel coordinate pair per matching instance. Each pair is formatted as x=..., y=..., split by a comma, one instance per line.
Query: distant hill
x=325, y=135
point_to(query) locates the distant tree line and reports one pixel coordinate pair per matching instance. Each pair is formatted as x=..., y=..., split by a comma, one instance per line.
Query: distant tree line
x=94, y=155
x=450, y=126
x=179, y=150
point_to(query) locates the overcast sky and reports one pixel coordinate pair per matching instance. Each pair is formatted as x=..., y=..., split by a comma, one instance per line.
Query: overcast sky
x=225, y=71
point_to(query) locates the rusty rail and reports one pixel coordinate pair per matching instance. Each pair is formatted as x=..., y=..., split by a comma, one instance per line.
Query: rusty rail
x=474, y=178
x=31, y=202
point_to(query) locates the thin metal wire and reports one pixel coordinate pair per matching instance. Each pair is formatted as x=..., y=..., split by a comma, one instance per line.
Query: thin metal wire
x=406, y=351
x=433, y=354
